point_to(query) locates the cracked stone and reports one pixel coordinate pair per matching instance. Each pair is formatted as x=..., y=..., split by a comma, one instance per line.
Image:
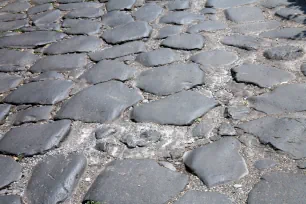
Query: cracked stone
x=214, y=58
x=10, y=171
x=129, y=140
x=199, y=197
x=34, y=114
x=181, y=18
x=111, y=146
x=104, y=132
x=207, y=26
x=151, y=136
x=9, y=82
x=184, y=41
x=149, y=12
x=287, y=52
x=243, y=42
x=116, y=18
x=244, y=14
x=157, y=57
x=168, y=31
x=112, y=5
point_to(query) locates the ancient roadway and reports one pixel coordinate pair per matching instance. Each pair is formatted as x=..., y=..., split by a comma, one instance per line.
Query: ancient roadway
x=152, y=102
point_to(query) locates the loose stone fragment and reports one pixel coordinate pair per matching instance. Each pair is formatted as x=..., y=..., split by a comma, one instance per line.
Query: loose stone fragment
x=168, y=31
x=217, y=163
x=48, y=76
x=39, y=8
x=283, y=99
x=75, y=44
x=73, y=6
x=237, y=112
x=181, y=18
x=16, y=7
x=128, y=32
x=41, y=92
x=35, y=114
x=12, y=25
x=302, y=165
x=256, y=27
x=113, y=98
x=11, y=16
x=85, y=13
x=116, y=18
x=9, y=82
x=107, y=70
x=207, y=26
x=198, y=197
x=119, y=51
x=149, y=12
x=227, y=129
x=286, y=52
x=34, y=139
x=184, y=41
x=112, y=5
x=104, y=132
x=286, y=33
x=178, y=5
x=11, y=199
x=158, y=184
x=4, y=111
x=244, y=14
x=58, y=175
x=182, y=77
x=10, y=171
x=60, y=63
x=243, y=42
x=227, y=4
x=264, y=164
x=178, y=109
x=278, y=187
x=203, y=129
x=46, y=17
x=76, y=26
x=157, y=57
x=261, y=75
x=215, y=58
x=30, y=39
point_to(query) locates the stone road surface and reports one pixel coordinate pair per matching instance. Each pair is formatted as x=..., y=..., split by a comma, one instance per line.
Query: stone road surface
x=153, y=102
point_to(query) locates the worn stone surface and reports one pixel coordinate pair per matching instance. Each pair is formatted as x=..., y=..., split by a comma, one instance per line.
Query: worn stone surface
x=112, y=5
x=237, y=112
x=34, y=139
x=116, y=18
x=185, y=107
x=46, y=17
x=215, y=58
x=286, y=33
x=256, y=27
x=184, y=41
x=35, y=114
x=58, y=175
x=243, y=42
x=227, y=129
x=168, y=31
x=275, y=3
x=16, y=7
x=284, y=53
x=11, y=16
x=48, y=75
x=203, y=129
x=85, y=13
x=181, y=18
x=157, y=57
x=199, y=197
x=149, y=12
x=10, y=171
x=303, y=69
x=158, y=183
x=113, y=99
x=264, y=164
x=244, y=14
x=294, y=14
x=73, y=6
x=207, y=26
x=182, y=77
x=39, y=8
x=76, y=26
x=178, y=5
x=12, y=25
x=11, y=199
x=4, y=110
x=227, y=4
x=9, y=82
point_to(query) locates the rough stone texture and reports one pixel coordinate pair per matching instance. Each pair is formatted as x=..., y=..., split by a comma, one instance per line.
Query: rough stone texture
x=286, y=52
x=283, y=99
x=4, y=111
x=78, y=27
x=112, y=5
x=34, y=139
x=264, y=164
x=149, y=12
x=278, y=187
x=182, y=77
x=168, y=31
x=35, y=114
x=184, y=41
x=10, y=199
x=203, y=129
x=158, y=184
x=286, y=134
x=181, y=18
x=227, y=4
x=215, y=58
x=85, y=13
x=10, y=171
x=227, y=129
x=286, y=33
x=207, y=26
x=261, y=75
x=128, y=32
x=112, y=100
x=198, y=197
x=9, y=82
x=178, y=109
x=217, y=163
x=58, y=175
x=41, y=92
x=157, y=57
x=178, y=5
x=244, y=14
x=256, y=27
x=107, y=70
x=243, y=42
x=237, y=112
x=116, y=18
x=118, y=51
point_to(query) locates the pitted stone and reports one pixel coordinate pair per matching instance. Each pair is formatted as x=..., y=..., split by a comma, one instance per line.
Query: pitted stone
x=85, y=13
x=76, y=26
x=244, y=14
x=34, y=114
x=168, y=31
x=157, y=57
x=181, y=18
x=113, y=5
x=207, y=26
x=149, y=12
x=9, y=82
x=243, y=42
x=215, y=58
x=116, y=18
x=286, y=52
x=10, y=171
x=184, y=41
x=199, y=197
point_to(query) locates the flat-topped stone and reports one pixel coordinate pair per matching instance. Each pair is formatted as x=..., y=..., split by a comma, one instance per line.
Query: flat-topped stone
x=16, y=7
x=41, y=92
x=34, y=114
x=244, y=14
x=46, y=17
x=199, y=197
x=12, y=25
x=287, y=52
x=11, y=16
x=168, y=31
x=149, y=12
x=11, y=199
x=157, y=57
x=80, y=5
x=181, y=18
x=215, y=58
x=264, y=164
x=178, y=5
x=9, y=82
x=207, y=26
x=158, y=184
x=47, y=76
x=286, y=33
x=34, y=139
x=116, y=18
x=77, y=27
x=184, y=41
x=89, y=12
x=256, y=27
x=112, y=5
x=10, y=171
x=243, y=42
x=227, y=4
x=275, y=3
x=294, y=14
x=39, y=8
x=178, y=109
x=15, y=59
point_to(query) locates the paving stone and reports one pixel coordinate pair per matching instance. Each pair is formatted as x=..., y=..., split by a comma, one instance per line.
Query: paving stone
x=12, y=25
x=199, y=197
x=60, y=63
x=181, y=18
x=243, y=42
x=113, y=98
x=128, y=32
x=168, y=31
x=81, y=5
x=107, y=70
x=244, y=14
x=4, y=111
x=39, y=8
x=237, y=112
x=303, y=69
x=157, y=57
x=34, y=139
x=77, y=27
x=285, y=33
x=149, y=12
x=275, y=3
x=75, y=44
x=10, y=171
x=217, y=163
x=31, y=39
x=278, y=187
x=294, y=14
x=227, y=4
x=11, y=16
x=178, y=109
x=286, y=52
x=119, y=51
x=113, y=5
x=105, y=132
x=207, y=26
x=85, y=13
x=203, y=129
x=302, y=165
x=16, y=7
x=158, y=184
x=39, y=2
x=9, y=82
x=264, y=164
x=215, y=58
x=69, y=1
x=47, y=76
x=34, y=114
x=46, y=17
x=208, y=11
x=283, y=99
x=167, y=165
x=261, y=75
x=42, y=92
x=178, y=5
x=256, y=27
x=185, y=41
x=227, y=129
x=182, y=77
x=10, y=199
x=116, y=18
x=58, y=175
